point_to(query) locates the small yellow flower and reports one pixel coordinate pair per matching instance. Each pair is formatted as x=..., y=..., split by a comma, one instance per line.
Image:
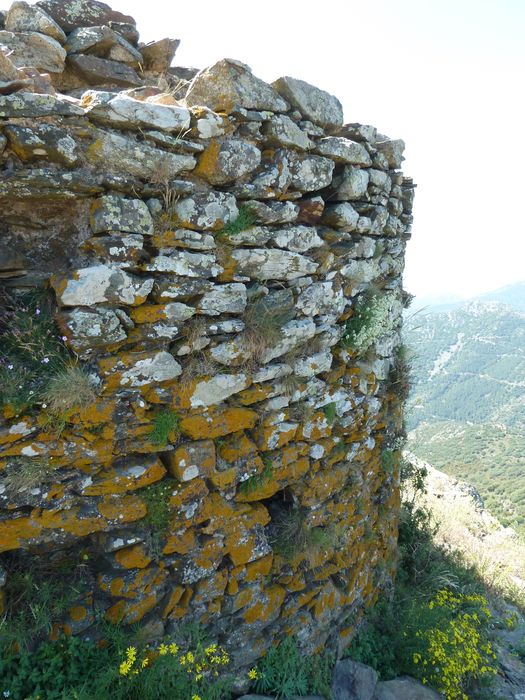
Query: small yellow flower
x=195, y=697
x=163, y=649
x=252, y=674
x=173, y=648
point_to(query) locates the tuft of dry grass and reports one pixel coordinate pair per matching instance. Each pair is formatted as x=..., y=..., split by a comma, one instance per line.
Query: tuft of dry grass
x=291, y=535
x=69, y=389
x=24, y=473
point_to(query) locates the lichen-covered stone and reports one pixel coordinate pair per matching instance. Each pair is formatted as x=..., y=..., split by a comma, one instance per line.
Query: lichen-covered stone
x=103, y=42
x=343, y=150
x=34, y=49
x=310, y=173
x=209, y=211
x=343, y=216
x=103, y=71
x=29, y=104
x=226, y=160
x=70, y=14
x=100, y=284
x=313, y=103
x=88, y=330
x=158, y=55
x=43, y=141
x=23, y=17
x=113, y=212
x=298, y=239
x=351, y=185
x=216, y=389
x=124, y=155
x=186, y=264
x=280, y=130
x=229, y=84
x=224, y=298
x=319, y=298
x=124, y=111
x=392, y=150
x=272, y=264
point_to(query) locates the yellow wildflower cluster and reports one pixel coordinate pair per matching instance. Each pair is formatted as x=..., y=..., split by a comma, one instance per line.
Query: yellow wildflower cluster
x=197, y=664
x=457, y=651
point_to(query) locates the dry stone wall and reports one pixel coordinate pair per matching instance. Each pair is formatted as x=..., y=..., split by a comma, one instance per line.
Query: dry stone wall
x=226, y=258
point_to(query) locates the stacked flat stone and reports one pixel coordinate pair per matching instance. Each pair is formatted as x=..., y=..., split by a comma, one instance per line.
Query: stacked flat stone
x=129, y=204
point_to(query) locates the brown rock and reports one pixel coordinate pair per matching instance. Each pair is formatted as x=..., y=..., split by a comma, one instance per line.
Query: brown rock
x=101, y=71
x=33, y=49
x=23, y=17
x=158, y=55
x=70, y=14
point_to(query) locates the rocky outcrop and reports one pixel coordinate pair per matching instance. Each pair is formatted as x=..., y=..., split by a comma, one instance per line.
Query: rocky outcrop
x=207, y=256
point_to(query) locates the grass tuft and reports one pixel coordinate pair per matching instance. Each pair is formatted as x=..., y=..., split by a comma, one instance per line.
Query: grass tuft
x=245, y=219
x=165, y=423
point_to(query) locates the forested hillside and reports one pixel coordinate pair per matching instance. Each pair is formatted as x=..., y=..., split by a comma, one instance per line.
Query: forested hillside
x=466, y=414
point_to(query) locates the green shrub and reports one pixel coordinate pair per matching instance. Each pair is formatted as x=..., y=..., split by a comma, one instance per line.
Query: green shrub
x=164, y=423
x=286, y=671
x=245, y=219
x=372, y=318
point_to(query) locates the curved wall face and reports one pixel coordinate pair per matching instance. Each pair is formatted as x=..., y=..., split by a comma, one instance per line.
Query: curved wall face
x=227, y=272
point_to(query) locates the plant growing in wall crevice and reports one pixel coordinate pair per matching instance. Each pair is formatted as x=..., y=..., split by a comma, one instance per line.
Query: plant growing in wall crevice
x=374, y=315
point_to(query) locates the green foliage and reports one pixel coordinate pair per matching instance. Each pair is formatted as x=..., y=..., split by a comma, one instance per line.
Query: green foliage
x=157, y=498
x=291, y=535
x=437, y=618
x=330, y=412
x=245, y=219
x=53, y=670
x=372, y=318
x=255, y=482
x=164, y=423
x=286, y=671
x=388, y=460
x=32, y=351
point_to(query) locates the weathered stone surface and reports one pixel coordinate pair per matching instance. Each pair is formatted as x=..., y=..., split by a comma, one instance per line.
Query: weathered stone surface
x=292, y=335
x=274, y=212
x=23, y=17
x=217, y=389
x=100, y=284
x=298, y=239
x=353, y=681
x=343, y=150
x=224, y=298
x=158, y=55
x=321, y=298
x=161, y=367
x=310, y=173
x=125, y=249
x=92, y=329
x=70, y=14
x=33, y=49
x=208, y=211
x=103, y=71
x=9, y=73
x=314, y=104
x=113, y=212
x=313, y=364
x=404, y=689
x=124, y=155
x=272, y=264
x=352, y=185
x=343, y=216
x=28, y=104
x=273, y=180
x=122, y=110
x=229, y=84
x=359, y=132
x=282, y=131
x=104, y=43
x=392, y=149
x=186, y=264
x=226, y=160
x=46, y=141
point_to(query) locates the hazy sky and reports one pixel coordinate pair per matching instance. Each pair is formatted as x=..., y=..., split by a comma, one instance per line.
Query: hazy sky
x=447, y=76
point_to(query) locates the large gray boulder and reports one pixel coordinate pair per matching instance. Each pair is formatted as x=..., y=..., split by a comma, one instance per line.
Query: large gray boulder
x=313, y=103
x=70, y=14
x=353, y=681
x=33, y=49
x=23, y=17
x=404, y=689
x=230, y=84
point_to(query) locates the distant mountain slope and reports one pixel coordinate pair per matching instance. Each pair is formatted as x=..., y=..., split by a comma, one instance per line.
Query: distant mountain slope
x=466, y=413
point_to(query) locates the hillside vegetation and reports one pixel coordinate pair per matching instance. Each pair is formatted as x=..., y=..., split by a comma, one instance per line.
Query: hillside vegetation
x=466, y=414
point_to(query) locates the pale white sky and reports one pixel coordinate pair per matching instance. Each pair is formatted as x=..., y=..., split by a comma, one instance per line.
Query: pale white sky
x=447, y=76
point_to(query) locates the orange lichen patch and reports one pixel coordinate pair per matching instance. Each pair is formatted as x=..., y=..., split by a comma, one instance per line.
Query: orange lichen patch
x=211, y=588
x=133, y=557
x=129, y=613
x=323, y=572
x=335, y=374
x=132, y=585
x=209, y=553
x=149, y=313
x=97, y=413
x=294, y=583
x=244, y=598
x=267, y=606
x=208, y=160
x=225, y=515
x=298, y=602
x=273, y=437
x=182, y=608
x=13, y=533
x=223, y=480
x=218, y=422
x=324, y=484
x=327, y=600
x=192, y=459
x=124, y=509
x=259, y=568
x=315, y=428
x=190, y=503
x=78, y=613
x=174, y=598
x=117, y=481
x=180, y=542
x=37, y=449
x=255, y=393
x=241, y=451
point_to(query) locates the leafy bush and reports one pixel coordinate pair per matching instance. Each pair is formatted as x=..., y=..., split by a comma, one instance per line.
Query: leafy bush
x=164, y=423
x=286, y=671
x=372, y=318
